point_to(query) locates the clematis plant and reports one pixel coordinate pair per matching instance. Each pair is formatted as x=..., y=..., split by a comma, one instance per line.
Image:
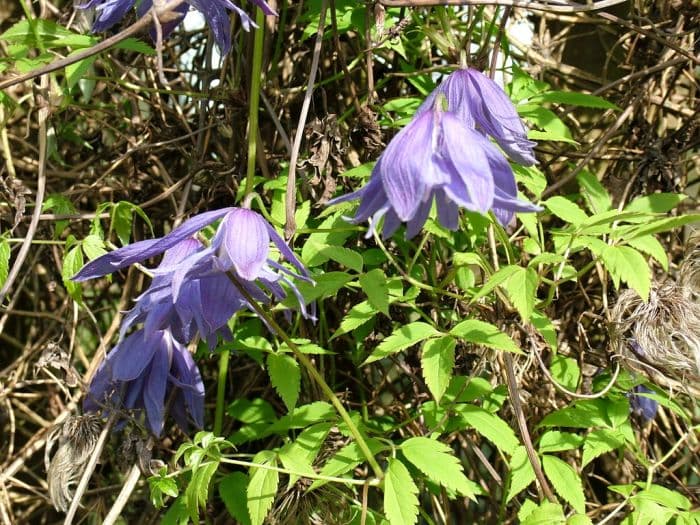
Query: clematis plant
x=205, y=306
x=482, y=105
x=109, y=12
x=141, y=372
x=240, y=246
x=191, y=293
x=437, y=157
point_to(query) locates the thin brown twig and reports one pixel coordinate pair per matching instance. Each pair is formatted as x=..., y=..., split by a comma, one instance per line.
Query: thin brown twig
x=291, y=197
x=563, y=181
x=560, y=6
x=89, y=468
x=123, y=498
x=514, y=395
x=649, y=34
x=42, y=117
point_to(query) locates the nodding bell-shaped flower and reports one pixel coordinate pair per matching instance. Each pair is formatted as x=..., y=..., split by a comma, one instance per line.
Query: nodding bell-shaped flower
x=109, y=12
x=192, y=286
x=141, y=372
x=436, y=158
x=482, y=105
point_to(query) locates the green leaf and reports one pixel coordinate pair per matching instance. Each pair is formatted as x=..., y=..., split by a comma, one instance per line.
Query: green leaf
x=663, y=496
x=72, y=262
x=586, y=413
x=483, y=333
x=627, y=265
x=197, y=491
x=557, y=441
x=307, y=347
x=335, y=232
x=262, y=487
x=566, y=210
x=375, y=286
x=565, y=371
x=532, y=178
x=545, y=328
x=521, y=473
x=654, y=227
x=24, y=32
x=547, y=513
x=437, y=461
x=299, y=455
x=403, y=105
x=123, y=217
x=402, y=338
x=363, y=171
x=356, y=317
x=345, y=256
x=566, y=481
x=521, y=288
x=285, y=377
x=327, y=285
x=579, y=519
x=495, y=280
x=93, y=246
x=573, y=98
x=467, y=259
x=437, y=363
x=400, y=495
x=552, y=126
x=651, y=246
x=346, y=459
x=304, y=416
x=176, y=514
x=297, y=466
x=5, y=260
x=599, y=442
x=134, y=44
x=161, y=485
x=490, y=426
x=60, y=205
x=232, y=490
x=251, y=410
x=76, y=71
x=656, y=203
x=595, y=195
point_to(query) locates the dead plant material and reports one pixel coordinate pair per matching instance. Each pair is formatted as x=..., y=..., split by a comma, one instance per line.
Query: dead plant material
x=55, y=356
x=660, y=339
x=367, y=134
x=326, y=147
x=77, y=437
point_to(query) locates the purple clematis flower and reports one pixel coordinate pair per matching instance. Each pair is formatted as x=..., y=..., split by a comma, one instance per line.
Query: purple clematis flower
x=141, y=372
x=436, y=157
x=109, y=12
x=205, y=305
x=642, y=405
x=482, y=104
x=192, y=281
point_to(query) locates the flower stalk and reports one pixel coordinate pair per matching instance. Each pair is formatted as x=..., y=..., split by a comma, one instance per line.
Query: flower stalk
x=255, y=80
x=314, y=373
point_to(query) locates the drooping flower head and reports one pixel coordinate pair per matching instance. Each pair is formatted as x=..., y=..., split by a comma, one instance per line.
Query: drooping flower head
x=481, y=104
x=141, y=372
x=109, y=12
x=204, y=306
x=437, y=157
x=191, y=293
x=193, y=281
